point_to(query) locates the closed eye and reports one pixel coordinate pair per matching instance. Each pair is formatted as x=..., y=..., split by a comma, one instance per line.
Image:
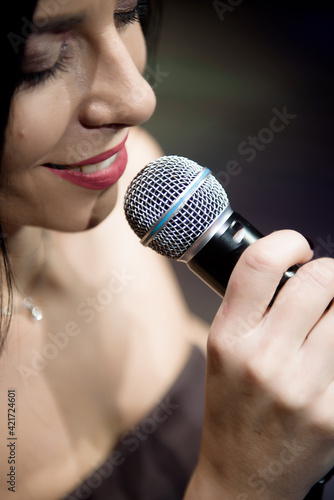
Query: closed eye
x=32, y=79
x=123, y=18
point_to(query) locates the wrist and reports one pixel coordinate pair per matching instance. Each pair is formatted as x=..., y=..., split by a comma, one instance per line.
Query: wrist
x=204, y=485
x=208, y=484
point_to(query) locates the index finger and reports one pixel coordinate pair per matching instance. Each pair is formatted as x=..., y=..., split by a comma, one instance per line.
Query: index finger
x=256, y=277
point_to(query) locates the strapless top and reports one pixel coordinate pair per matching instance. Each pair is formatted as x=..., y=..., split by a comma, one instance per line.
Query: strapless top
x=156, y=459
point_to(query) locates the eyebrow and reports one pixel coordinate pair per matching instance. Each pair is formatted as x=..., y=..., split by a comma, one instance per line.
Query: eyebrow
x=57, y=24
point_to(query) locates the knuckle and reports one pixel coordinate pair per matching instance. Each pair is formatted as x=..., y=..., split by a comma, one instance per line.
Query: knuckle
x=254, y=374
x=320, y=272
x=258, y=259
x=272, y=251
x=221, y=348
x=291, y=401
x=258, y=372
x=271, y=255
x=214, y=347
x=264, y=376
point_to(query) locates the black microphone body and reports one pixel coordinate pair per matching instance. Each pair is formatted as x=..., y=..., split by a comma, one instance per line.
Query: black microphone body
x=214, y=263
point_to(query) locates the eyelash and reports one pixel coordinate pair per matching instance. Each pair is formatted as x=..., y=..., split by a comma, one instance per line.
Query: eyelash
x=31, y=80
x=135, y=15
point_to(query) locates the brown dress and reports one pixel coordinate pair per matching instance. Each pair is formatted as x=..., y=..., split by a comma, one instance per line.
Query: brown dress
x=156, y=459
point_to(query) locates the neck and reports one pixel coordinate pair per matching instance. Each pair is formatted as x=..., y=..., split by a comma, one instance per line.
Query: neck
x=27, y=253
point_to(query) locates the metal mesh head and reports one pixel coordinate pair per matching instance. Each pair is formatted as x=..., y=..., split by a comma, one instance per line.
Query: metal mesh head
x=154, y=190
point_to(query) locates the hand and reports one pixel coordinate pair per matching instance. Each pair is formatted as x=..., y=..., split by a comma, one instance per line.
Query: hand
x=269, y=420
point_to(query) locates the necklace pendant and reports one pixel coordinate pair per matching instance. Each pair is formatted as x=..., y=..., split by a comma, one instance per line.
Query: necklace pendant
x=35, y=311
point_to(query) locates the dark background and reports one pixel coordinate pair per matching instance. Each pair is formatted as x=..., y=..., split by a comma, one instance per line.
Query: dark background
x=218, y=77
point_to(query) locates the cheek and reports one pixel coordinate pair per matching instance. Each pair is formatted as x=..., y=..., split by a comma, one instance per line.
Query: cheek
x=39, y=121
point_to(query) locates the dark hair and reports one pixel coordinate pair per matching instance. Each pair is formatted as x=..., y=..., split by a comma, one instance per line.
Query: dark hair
x=151, y=25
x=13, y=36
x=14, y=31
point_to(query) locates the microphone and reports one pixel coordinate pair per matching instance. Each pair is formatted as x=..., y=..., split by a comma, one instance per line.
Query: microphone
x=180, y=210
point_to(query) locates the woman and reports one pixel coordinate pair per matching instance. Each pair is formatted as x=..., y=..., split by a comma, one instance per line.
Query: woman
x=99, y=372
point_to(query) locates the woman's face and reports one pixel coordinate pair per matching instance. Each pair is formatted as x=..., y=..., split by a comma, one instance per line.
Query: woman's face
x=82, y=89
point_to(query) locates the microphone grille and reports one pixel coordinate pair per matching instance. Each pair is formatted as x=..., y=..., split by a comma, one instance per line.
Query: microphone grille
x=156, y=188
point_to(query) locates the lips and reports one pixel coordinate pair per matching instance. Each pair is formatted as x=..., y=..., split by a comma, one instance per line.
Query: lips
x=99, y=172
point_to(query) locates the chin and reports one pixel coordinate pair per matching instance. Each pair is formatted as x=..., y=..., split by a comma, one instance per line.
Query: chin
x=78, y=216
x=69, y=212
x=81, y=221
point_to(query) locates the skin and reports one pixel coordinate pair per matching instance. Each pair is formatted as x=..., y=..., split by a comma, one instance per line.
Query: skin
x=80, y=113
x=74, y=407
x=270, y=378
x=269, y=371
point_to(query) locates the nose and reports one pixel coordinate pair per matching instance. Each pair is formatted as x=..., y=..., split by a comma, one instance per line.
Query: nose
x=117, y=94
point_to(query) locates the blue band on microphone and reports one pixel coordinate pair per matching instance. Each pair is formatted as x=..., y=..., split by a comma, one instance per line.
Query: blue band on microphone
x=176, y=206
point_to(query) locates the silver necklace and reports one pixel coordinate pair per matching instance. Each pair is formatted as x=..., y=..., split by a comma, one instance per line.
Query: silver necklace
x=35, y=311
x=28, y=303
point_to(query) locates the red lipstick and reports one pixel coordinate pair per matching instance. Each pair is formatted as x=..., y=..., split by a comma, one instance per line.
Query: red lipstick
x=101, y=179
